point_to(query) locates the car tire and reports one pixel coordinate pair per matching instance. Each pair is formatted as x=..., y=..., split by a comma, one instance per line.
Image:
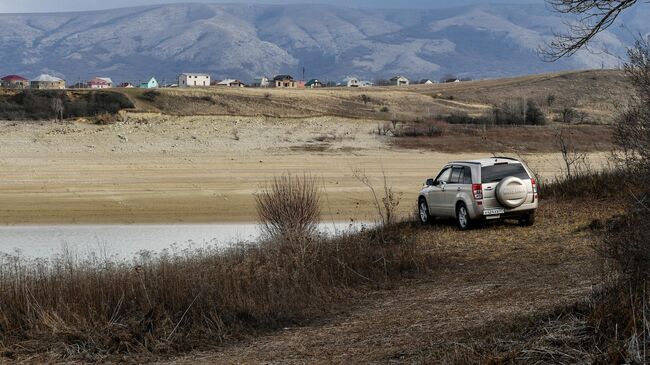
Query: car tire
x=463, y=219
x=528, y=220
x=423, y=212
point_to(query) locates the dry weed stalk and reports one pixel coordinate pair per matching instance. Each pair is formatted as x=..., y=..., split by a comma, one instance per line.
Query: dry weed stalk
x=386, y=204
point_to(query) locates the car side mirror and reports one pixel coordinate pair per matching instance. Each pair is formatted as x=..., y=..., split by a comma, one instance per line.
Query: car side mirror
x=429, y=182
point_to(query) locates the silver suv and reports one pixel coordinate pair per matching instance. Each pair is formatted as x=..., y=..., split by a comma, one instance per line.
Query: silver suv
x=488, y=189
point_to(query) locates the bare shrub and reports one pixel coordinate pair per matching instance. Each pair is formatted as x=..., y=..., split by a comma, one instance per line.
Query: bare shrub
x=290, y=206
x=604, y=184
x=621, y=314
x=568, y=114
x=386, y=202
x=632, y=133
x=550, y=99
x=426, y=128
x=575, y=162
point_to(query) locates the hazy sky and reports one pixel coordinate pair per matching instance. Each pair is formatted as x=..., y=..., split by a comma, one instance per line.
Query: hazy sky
x=25, y=6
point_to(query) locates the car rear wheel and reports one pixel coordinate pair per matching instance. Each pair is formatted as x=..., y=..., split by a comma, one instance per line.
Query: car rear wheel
x=528, y=220
x=423, y=211
x=462, y=217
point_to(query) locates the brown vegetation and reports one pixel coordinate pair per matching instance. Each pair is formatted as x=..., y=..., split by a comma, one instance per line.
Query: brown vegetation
x=290, y=207
x=94, y=308
x=440, y=136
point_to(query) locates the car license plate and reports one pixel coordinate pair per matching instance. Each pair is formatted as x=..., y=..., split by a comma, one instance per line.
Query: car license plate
x=493, y=211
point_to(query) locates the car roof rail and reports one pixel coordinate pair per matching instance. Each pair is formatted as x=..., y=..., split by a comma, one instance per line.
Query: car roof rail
x=506, y=158
x=468, y=162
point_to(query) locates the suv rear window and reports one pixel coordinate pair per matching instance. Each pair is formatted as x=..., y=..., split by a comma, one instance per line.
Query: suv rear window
x=496, y=173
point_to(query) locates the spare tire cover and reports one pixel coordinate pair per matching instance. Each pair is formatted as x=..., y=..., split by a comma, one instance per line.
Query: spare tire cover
x=511, y=192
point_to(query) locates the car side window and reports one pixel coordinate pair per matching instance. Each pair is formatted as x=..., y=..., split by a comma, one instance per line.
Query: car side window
x=467, y=175
x=455, y=175
x=443, y=176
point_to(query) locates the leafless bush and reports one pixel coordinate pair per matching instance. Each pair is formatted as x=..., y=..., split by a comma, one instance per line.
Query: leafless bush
x=575, y=162
x=632, y=133
x=386, y=203
x=235, y=134
x=567, y=114
x=621, y=314
x=290, y=206
x=425, y=128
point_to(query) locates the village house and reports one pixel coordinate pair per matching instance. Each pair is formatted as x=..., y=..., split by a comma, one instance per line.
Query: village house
x=426, y=82
x=231, y=83
x=366, y=84
x=47, y=82
x=313, y=83
x=261, y=82
x=193, y=80
x=350, y=82
x=100, y=83
x=127, y=85
x=151, y=84
x=284, y=81
x=399, y=81
x=14, y=82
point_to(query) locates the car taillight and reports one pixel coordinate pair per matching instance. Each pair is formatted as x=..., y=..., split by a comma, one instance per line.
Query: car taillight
x=534, y=182
x=477, y=190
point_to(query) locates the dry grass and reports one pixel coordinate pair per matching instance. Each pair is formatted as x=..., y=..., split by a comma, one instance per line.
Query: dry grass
x=90, y=309
x=502, y=139
x=598, y=93
x=581, y=90
x=490, y=285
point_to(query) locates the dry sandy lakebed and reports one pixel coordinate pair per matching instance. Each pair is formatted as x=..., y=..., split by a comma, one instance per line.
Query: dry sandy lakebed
x=164, y=169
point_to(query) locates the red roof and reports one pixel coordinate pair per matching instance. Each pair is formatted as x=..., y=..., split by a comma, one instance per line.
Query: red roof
x=13, y=78
x=97, y=81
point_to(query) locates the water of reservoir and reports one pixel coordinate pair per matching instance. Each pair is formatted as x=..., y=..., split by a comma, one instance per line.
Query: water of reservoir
x=126, y=241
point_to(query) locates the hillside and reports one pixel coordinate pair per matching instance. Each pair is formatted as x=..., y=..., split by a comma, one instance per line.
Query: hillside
x=246, y=41
x=593, y=96
x=597, y=93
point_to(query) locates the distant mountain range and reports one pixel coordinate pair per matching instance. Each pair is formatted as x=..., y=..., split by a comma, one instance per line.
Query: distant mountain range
x=330, y=43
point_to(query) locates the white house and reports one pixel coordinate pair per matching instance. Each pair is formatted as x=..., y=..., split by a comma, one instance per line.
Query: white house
x=193, y=80
x=231, y=83
x=261, y=82
x=399, y=81
x=100, y=83
x=151, y=84
x=350, y=82
x=366, y=84
x=47, y=82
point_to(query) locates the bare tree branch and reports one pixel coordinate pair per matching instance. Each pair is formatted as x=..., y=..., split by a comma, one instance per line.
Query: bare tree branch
x=593, y=17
